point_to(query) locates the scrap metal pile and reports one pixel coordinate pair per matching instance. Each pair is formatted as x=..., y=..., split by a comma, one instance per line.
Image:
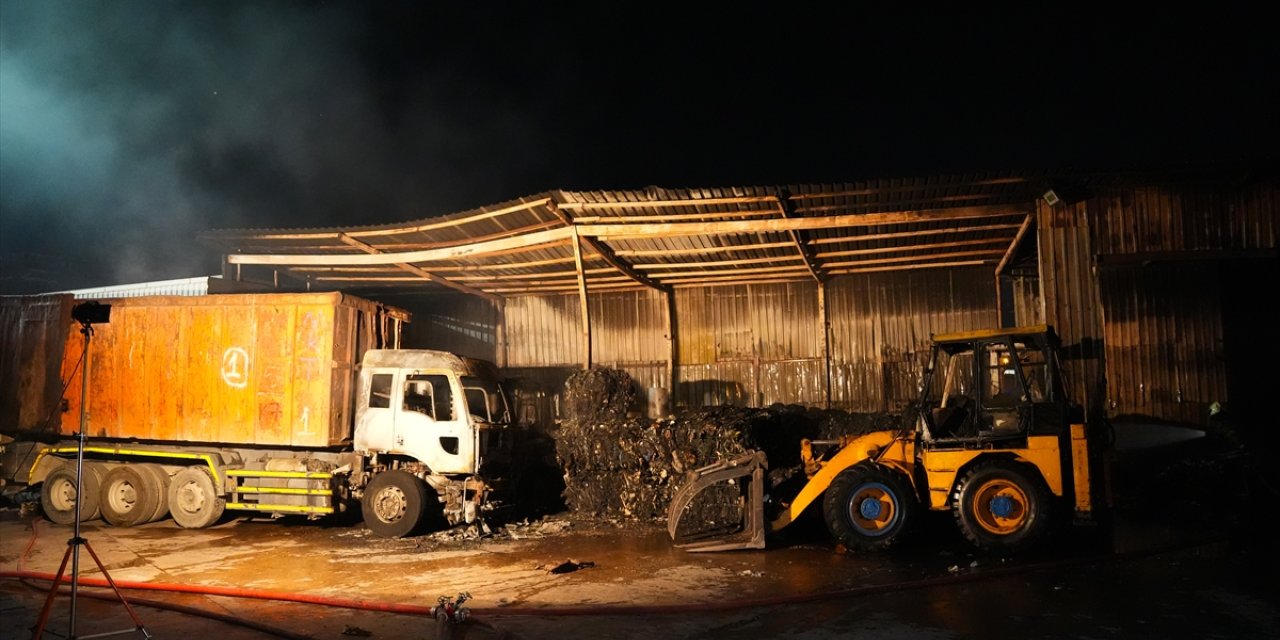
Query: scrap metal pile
x=619, y=465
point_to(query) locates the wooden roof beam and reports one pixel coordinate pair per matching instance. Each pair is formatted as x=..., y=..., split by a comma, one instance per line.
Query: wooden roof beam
x=920, y=232
x=674, y=251
x=933, y=256
x=716, y=263
x=912, y=267
x=785, y=207
x=607, y=253
x=677, y=229
x=455, y=252
x=423, y=273
x=914, y=247
x=1013, y=246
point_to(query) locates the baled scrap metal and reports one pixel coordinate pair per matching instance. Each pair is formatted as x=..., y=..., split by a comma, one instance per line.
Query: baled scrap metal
x=621, y=466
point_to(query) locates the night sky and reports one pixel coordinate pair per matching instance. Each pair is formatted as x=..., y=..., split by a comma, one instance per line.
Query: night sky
x=128, y=127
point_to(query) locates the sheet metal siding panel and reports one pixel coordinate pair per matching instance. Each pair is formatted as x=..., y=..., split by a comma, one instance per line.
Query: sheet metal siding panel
x=461, y=324
x=236, y=369
x=544, y=331
x=738, y=345
x=1164, y=340
x=1154, y=219
x=628, y=327
x=881, y=324
x=1071, y=299
x=32, y=343
x=1028, y=304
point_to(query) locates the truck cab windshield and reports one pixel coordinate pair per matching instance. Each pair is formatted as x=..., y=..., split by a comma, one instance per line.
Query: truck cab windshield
x=486, y=400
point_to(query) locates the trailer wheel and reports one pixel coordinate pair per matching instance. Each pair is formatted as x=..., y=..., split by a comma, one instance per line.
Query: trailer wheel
x=1000, y=507
x=58, y=494
x=159, y=486
x=194, y=502
x=869, y=507
x=394, y=503
x=129, y=496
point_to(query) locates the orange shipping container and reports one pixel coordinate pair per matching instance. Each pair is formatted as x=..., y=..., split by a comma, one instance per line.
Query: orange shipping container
x=262, y=369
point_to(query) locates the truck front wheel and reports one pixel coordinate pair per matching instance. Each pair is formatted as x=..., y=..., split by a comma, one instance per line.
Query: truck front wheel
x=194, y=502
x=394, y=503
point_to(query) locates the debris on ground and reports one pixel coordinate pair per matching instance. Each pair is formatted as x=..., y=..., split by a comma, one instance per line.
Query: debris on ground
x=568, y=566
x=356, y=631
x=619, y=465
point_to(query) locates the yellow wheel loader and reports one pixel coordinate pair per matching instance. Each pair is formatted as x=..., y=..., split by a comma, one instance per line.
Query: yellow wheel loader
x=994, y=439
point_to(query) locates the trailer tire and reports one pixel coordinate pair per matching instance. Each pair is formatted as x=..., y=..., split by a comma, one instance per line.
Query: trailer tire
x=394, y=503
x=1000, y=507
x=194, y=501
x=869, y=507
x=129, y=496
x=58, y=494
x=159, y=486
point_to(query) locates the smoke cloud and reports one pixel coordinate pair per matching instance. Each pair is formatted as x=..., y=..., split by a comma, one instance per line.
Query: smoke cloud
x=128, y=127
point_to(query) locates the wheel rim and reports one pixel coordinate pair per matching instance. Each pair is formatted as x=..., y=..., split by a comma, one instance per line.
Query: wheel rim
x=872, y=509
x=63, y=495
x=390, y=504
x=1000, y=507
x=190, y=498
x=122, y=497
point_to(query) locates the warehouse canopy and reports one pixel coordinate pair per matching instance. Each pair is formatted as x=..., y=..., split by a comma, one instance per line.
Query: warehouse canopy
x=565, y=241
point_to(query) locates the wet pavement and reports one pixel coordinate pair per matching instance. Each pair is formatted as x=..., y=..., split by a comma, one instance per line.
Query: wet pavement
x=1173, y=568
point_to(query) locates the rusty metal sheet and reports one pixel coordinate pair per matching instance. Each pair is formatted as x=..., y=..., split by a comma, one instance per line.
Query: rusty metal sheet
x=264, y=369
x=32, y=337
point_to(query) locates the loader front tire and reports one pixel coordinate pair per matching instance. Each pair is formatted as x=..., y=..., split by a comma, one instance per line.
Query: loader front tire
x=1000, y=507
x=394, y=503
x=869, y=507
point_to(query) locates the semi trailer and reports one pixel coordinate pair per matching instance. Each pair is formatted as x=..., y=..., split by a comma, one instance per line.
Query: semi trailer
x=279, y=404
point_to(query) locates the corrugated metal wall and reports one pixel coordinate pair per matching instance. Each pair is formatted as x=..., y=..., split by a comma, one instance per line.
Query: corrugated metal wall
x=1070, y=297
x=881, y=324
x=1150, y=219
x=749, y=345
x=1164, y=341
x=1153, y=310
x=462, y=324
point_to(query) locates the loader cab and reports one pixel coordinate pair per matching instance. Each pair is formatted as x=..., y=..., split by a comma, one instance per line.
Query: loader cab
x=443, y=410
x=992, y=385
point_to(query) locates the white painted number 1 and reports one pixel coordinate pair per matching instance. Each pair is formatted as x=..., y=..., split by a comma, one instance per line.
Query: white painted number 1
x=235, y=367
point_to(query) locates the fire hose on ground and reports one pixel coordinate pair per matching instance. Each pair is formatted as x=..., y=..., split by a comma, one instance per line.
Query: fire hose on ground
x=451, y=611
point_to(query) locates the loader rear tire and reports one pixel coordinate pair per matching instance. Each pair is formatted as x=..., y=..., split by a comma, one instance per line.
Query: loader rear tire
x=394, y=504
x=58, y=494
x=194, y=502
x=870, y=507
x=1001, y=507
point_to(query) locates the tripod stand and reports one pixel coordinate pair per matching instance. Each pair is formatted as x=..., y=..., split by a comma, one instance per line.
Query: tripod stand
x=86, y=315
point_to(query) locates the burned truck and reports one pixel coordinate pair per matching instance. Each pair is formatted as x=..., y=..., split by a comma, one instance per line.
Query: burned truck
x=277, y=404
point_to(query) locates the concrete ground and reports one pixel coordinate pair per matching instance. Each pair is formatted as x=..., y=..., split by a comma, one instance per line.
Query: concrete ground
x=1170, y=568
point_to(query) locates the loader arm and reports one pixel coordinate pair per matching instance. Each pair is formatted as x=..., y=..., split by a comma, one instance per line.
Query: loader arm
x=747, y=473
x=871, y=445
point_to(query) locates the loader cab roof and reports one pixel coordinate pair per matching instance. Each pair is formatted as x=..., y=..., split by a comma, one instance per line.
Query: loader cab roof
x=1041, y=335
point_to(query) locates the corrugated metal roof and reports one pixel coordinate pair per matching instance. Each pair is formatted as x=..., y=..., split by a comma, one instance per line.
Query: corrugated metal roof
x=666, y=238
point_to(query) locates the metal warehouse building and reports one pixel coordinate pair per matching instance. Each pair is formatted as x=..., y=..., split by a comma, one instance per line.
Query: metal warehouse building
x=826, y=294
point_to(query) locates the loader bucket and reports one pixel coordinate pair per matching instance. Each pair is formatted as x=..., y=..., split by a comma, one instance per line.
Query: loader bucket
x=721, y=506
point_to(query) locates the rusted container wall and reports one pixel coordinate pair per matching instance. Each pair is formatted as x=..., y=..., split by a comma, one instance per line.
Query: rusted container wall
x=269, y=369
x=881, y=325
x=543, y=331
x=749, y=345
x=1071, y=299
x=32, y=341
x=1164, y=341
x=461, y=324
